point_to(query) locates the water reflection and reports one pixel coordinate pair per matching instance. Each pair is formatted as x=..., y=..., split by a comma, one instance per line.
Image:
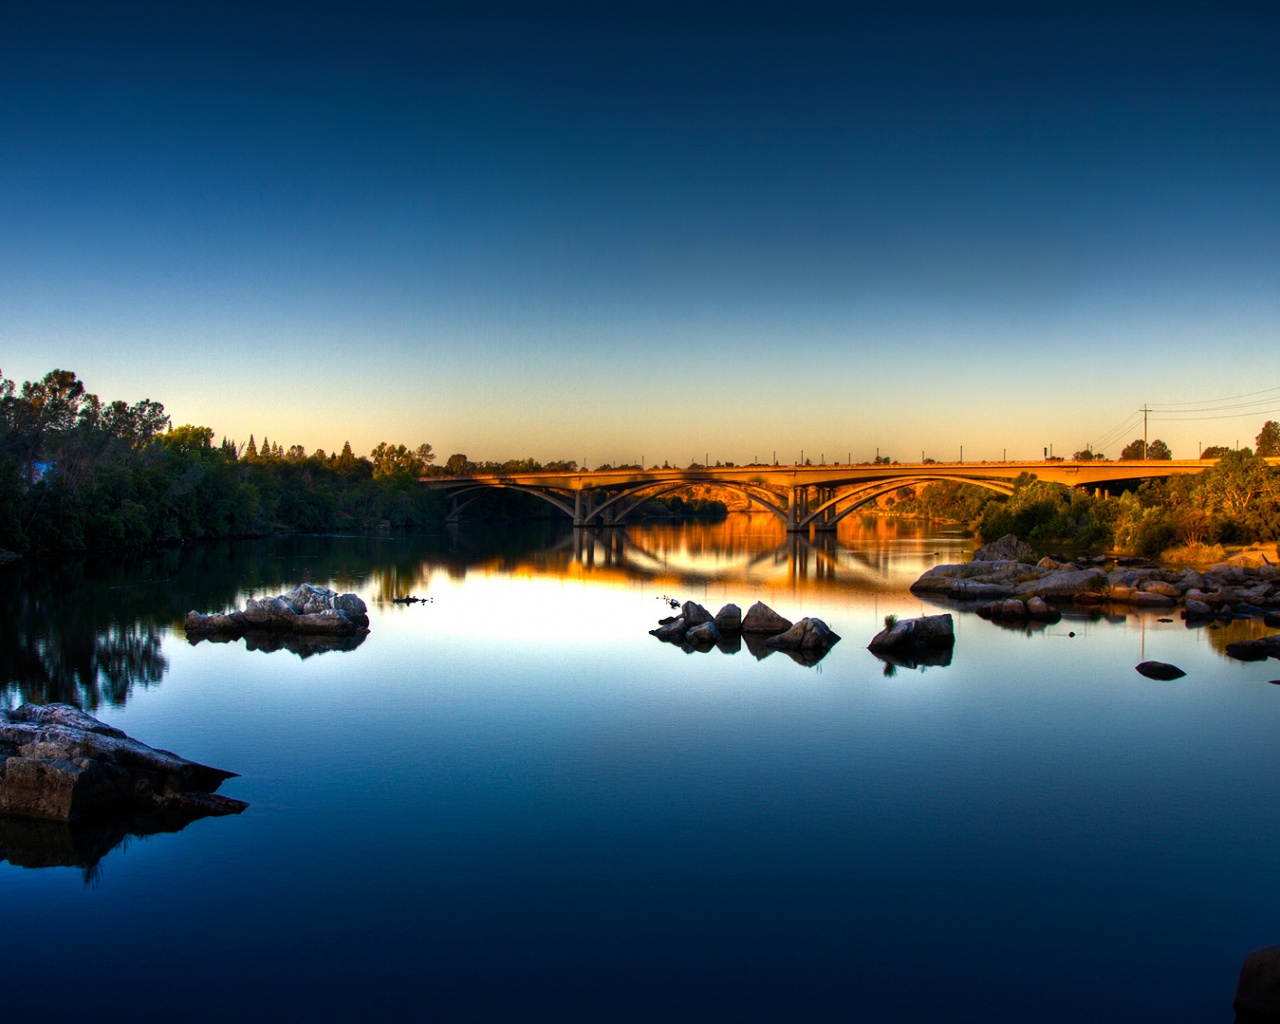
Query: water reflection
x=80, y=844
x=303, y=645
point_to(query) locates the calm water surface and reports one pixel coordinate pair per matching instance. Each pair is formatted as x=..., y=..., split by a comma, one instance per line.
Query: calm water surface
x=510, y=803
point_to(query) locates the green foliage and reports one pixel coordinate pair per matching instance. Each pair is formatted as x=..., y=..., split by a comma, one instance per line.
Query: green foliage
x=1268, y=440
x=890, y=621
x=945, y=500
x=1157, y=449
x=78, y=474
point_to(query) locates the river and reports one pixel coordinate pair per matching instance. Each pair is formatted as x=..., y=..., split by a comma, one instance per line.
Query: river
x=509, y=802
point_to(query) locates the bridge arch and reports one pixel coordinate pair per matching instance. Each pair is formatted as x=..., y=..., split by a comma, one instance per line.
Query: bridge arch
x=645, y=492
x=555, y=498
x=868, y=493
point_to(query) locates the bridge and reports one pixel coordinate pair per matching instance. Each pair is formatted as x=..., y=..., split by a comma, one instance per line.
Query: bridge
x=803, y=497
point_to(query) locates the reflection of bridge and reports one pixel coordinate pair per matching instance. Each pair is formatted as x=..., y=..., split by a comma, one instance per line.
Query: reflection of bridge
x=801, y=496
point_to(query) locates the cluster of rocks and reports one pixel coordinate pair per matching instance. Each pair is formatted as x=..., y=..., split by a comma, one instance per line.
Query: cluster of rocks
x=304, y=609
x=1246, y=586
x=58, y=763
x=695, y=628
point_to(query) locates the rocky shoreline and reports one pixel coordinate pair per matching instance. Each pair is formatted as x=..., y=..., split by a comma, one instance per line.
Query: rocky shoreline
x=1007, y=585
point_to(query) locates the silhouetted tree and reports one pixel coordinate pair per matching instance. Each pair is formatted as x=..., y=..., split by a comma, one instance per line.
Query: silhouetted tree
x=1268, y=440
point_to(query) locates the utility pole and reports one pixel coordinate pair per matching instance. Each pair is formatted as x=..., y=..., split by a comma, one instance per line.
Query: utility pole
x=1145, y=410
x=962, y=453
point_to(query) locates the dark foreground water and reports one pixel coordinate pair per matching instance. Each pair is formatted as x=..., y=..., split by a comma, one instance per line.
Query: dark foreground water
x=510, y=803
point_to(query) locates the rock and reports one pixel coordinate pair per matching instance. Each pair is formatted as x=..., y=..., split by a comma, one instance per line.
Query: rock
x=1255, y=650
x=8, y=556
x=673, y=630
x=694, y=614
x=760, y=618
x=1007, y=549
x=304, y=609
x=1160, y=587
x=1013, y=609
x=1048, y=563
x=703, y=634
x=1143, y=599
x=1037, y=608
x=913, y=634
x=1248, y=560
x=1257, y=998
x=1272, y=619
x=729, y=619
x=806, y=635
x=1160, y=670
x=1066, y=584
x=59, y=764
x=1194, y=609
x=306, y=599
x=351, y=604
x=269, y=613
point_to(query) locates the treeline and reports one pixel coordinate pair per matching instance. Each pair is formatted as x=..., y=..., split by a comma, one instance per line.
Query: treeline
x=77, y=473
x=1235, y=501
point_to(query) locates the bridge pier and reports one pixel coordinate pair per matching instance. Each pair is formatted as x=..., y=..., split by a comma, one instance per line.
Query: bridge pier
x=797, y=506
x=826, y=521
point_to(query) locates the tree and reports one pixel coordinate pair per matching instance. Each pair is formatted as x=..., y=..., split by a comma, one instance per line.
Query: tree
x=456, y=465
x=1086, y=455
x=1268, y=440
x=1214, y=451
x=425, y=455
x=1157, y=449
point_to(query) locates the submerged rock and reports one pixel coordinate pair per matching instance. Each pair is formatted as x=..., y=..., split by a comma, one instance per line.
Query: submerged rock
x=1159, y=670
x=59, y=764
x=1255, y=650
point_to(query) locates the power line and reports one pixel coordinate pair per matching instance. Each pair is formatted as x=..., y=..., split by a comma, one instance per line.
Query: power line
x=1170, y=406
x=1223, y=416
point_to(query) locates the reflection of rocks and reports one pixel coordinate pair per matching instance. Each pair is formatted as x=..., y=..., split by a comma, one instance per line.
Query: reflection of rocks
x=304, y=645
x=305, y=609
x=83, y=843
x=937, y=657
x=59, y=764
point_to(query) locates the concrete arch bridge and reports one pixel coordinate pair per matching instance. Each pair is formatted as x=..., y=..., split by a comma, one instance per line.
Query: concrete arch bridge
x=802, y=497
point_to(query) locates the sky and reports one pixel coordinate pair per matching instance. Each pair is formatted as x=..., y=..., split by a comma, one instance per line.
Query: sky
x=614, y=231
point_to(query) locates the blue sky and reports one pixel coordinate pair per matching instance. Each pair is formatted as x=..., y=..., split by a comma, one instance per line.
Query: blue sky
x=602, y=231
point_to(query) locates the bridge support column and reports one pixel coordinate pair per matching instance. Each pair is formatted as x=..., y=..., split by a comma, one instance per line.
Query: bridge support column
x=582, y=505
x=797, y=499
x=452, y=518
x=826, y=522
